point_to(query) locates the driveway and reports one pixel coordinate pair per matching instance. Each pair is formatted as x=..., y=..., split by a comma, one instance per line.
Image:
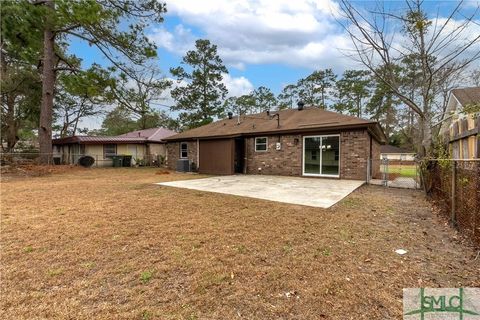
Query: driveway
x=314, y=192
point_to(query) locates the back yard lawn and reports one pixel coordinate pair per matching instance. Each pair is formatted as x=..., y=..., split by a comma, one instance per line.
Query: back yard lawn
x=109, y=244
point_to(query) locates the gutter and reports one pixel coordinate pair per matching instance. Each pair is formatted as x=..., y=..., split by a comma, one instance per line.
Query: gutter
x=277, y=132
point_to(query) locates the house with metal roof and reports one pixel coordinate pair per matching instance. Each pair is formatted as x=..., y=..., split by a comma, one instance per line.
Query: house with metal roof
x=141, y=146
x=295, y=142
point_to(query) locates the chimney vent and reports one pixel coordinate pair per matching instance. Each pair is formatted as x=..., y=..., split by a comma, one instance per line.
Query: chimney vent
x=300, y=105
x=230, y=115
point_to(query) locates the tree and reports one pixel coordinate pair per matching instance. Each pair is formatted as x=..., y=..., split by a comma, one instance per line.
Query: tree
x=475, y=76
x=200, y=101
x=20, y=82
x=121, y=120
x=118, y=121
x=139, y=97
x=98, y=23
x=435, y=44
x=20, y=92
x=257, y=101
x=382, y=107
x=353, y=89
x=288, y=97
x=313, y=90
x=245, y=104
x=264, y=99
x=81, y=95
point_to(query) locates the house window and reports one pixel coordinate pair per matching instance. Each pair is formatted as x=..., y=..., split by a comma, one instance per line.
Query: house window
x=183, y=150
x=314, y=154
x=261, y=144
x=109, y=150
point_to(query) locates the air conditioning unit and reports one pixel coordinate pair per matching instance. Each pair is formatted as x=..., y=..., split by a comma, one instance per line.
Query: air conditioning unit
x=183, y=165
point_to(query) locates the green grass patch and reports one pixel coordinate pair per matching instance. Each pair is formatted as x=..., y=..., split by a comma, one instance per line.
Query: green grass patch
x=146, y=276
x=402, y=170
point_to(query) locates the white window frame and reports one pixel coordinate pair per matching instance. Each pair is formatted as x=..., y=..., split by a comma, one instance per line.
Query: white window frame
x=320, y=152
x=109, y=155
x=266, y=144
x=186, y=150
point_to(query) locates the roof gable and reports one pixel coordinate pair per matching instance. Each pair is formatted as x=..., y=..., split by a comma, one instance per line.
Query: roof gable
x=467, y=96
x=152, y=134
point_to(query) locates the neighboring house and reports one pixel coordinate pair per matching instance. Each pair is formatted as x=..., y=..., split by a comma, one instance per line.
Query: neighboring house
x=461, y=130
x=395, y=153
x=303, y=142
x=143, y=145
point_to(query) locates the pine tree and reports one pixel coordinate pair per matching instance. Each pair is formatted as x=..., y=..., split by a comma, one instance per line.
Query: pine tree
x=98, y=23
x=200, y=101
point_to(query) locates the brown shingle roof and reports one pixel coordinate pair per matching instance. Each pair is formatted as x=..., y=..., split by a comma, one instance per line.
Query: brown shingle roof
x=467, y=95
x=291, y=120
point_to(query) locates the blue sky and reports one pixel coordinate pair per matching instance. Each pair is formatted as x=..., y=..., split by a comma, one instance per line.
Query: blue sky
x=263, y=42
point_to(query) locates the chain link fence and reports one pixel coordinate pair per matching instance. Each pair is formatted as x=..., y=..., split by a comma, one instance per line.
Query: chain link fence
x=454, y=187
x=394, y=173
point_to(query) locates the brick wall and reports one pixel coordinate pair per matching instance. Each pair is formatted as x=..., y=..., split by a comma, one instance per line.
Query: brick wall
x=375, y=158
x=354, y=152
x=286, y=161
x=173, y=153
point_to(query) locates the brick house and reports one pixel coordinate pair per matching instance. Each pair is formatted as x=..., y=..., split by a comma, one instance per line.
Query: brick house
x=294, y=142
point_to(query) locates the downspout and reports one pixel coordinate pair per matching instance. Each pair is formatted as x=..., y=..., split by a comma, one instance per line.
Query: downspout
x=245, y=164
x=198, y=154
x=370, y=160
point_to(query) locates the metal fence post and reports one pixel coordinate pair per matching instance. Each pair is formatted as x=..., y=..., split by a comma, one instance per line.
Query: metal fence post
x=453, y=204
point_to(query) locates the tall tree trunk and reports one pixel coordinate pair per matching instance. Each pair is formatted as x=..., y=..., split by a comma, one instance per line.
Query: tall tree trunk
x=48, y=87
x=12, y=124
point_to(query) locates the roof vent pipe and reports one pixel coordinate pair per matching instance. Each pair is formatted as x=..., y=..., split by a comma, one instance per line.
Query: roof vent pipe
x=300, y=105
x=230, y=115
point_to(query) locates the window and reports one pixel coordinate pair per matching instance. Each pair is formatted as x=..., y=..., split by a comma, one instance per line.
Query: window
x=109, y=150
x=261, y=144
x=314, y=154
x=183, y=150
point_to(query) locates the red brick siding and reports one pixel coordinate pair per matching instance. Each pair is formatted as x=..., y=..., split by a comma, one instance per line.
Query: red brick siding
x=287, y=161
x=173, y=153
x=354, y=153
x=375, y=158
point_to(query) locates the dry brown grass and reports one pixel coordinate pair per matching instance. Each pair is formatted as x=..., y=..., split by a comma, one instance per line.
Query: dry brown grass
x=108, y=244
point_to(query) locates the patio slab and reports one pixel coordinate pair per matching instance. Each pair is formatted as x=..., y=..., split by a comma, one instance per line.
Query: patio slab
x=315, y=192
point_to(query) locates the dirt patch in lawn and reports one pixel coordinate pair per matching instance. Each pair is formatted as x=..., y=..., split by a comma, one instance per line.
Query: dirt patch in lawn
x=107, y=243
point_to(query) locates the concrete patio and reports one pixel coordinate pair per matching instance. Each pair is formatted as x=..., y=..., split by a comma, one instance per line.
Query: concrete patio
x=315, y=192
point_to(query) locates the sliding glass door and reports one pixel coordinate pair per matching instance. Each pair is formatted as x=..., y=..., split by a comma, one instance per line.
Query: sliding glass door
x=321, y=155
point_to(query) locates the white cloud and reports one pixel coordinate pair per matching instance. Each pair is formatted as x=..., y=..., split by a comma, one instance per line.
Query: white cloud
x=299, y=33
x=302, y=33
x=237, y=86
